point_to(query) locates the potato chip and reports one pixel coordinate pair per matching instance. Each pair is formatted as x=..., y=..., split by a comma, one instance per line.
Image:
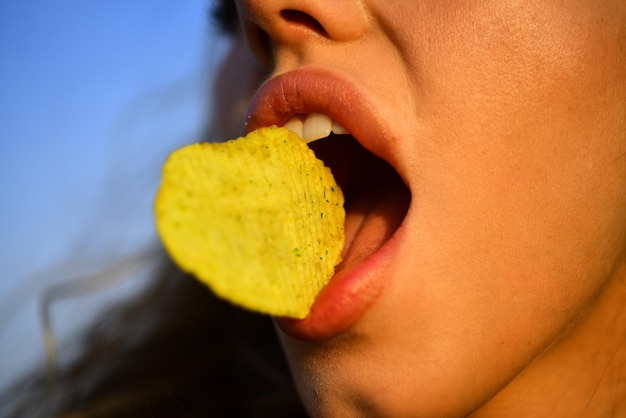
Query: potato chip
x=259, y=219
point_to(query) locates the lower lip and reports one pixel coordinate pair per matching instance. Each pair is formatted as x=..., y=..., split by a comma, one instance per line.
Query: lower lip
x=346, y=298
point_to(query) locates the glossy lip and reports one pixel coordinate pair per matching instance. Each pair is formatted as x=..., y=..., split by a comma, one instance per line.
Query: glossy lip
x=352, y=291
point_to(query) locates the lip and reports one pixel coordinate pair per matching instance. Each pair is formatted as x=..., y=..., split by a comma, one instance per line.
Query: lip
x=353, y=290
x=319, y=90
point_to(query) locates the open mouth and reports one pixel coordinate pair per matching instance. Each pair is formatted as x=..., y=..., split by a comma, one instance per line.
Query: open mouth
x=376, y=198
x=344, y=128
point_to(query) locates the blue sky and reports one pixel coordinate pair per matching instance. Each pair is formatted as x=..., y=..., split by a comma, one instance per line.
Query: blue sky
x=93, y=95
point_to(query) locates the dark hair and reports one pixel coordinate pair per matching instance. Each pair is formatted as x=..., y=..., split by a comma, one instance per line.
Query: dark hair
x=224, y=16
x=175, y=351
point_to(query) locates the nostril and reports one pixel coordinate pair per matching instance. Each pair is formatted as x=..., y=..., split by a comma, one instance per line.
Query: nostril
x=300, y=18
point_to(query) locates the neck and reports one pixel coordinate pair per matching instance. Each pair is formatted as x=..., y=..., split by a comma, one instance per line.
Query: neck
x=583, y=374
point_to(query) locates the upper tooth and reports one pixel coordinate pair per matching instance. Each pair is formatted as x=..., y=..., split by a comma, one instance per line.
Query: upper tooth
x=314, y=126
x=296, y=125
x=339, y=129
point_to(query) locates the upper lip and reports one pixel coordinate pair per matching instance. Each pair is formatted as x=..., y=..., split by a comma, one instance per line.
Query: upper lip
x=319, y=90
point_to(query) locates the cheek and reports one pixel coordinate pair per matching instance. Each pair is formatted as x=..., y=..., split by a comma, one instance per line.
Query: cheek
x=510, y=67
x=529, y=157
x=522, y=191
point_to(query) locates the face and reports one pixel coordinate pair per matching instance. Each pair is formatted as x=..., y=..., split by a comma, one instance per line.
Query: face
x=485, y=177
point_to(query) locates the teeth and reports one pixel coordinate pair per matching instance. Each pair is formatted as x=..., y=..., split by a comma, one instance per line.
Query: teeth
x=339, y=129
x=296, y=125
x=315, y=126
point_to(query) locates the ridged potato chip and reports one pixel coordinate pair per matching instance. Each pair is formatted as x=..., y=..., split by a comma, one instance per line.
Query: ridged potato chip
x=259, y=219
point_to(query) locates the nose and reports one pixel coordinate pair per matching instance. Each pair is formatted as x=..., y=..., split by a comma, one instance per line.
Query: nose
x=273, y=26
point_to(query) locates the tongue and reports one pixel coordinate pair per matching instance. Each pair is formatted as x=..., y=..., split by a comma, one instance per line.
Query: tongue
x=371, y=219
x=376, y=198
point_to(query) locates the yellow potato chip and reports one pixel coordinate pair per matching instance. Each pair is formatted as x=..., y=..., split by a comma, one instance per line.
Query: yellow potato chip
x=259, y=219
